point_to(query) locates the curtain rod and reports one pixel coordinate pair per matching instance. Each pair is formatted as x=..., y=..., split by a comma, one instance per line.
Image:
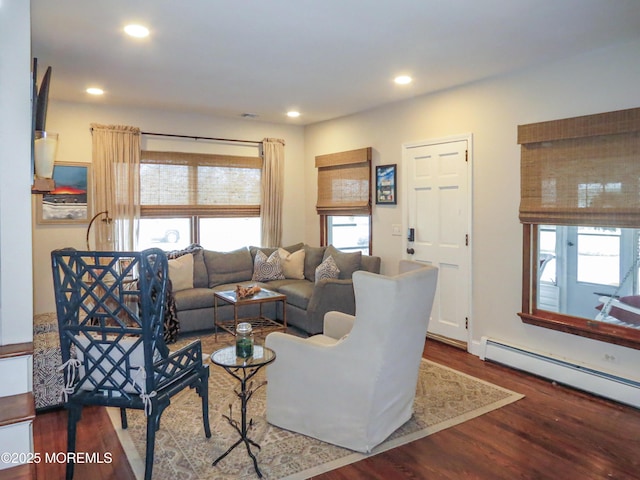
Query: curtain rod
x=201, y=138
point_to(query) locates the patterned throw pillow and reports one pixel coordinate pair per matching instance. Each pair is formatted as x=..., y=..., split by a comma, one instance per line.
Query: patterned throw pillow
x=266, y=269
x=327, y=269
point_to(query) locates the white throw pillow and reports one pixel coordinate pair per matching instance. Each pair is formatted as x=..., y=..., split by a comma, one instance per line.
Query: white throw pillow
x=94, y=352
x=266, y=269
x=327, y=269
x=292, y=263
x=181, y=272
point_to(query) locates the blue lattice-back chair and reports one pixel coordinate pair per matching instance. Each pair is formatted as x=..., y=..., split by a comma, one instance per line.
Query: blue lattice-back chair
x=110, y=308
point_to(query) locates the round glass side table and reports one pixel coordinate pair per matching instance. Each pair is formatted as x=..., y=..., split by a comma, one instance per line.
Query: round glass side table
x=243, y=369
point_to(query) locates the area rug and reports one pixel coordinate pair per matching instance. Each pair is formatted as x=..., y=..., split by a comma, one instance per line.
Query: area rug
x=445, y=397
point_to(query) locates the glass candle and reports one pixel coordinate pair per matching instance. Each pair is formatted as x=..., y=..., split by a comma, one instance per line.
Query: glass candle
x=244, y=340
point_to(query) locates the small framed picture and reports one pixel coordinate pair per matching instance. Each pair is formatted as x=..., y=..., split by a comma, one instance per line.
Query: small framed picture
x=70, y=202
x=386, y=184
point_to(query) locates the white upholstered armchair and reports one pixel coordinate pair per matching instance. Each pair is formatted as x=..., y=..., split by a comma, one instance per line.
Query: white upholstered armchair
x=355, y=384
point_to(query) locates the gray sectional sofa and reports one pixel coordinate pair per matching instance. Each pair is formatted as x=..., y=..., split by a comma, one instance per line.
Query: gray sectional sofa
x=307, y=299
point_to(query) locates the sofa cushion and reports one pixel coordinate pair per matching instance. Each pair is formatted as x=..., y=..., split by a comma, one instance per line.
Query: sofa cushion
x=292, y=263
x=228, y=267
x=181, y=272
x=269, y=250
x=312, y=258
x=346, y=262
x=327, y=269
x=265, y=269
x=298, y=293
x=193, y=299
x=200, y=275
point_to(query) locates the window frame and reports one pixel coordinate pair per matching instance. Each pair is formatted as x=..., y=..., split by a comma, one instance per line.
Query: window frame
x=584, y=327
x=324, y=229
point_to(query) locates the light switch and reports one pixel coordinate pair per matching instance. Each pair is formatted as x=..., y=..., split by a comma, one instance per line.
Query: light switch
x=396, y=230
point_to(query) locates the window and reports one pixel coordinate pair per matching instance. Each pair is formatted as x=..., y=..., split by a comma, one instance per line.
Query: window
x=349, y=233
x=580, y=209
x=213, y=200
x=344, y=199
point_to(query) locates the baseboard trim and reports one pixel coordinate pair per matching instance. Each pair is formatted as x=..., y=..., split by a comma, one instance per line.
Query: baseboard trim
x=449, y=341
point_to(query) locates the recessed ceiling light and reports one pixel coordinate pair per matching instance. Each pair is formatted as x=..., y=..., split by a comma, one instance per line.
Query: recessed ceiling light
x=137, y=31
x=293, y=114
x=95, y=91
x=403, y=79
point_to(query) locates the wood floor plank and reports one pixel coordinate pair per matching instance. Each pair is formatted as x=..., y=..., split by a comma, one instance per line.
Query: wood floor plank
x=553, y=433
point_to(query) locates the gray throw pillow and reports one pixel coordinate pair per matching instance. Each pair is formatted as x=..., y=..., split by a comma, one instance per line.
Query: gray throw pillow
x=228, y=267
x=313, y=257
x=346, y=262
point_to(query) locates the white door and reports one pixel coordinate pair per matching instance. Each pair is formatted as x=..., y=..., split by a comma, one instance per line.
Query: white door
x=439, y=212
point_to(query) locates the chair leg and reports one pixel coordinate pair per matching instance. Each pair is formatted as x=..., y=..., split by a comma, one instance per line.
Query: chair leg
x=73, y=416
x=152, y=426
x=123, y=418
x=204, y=394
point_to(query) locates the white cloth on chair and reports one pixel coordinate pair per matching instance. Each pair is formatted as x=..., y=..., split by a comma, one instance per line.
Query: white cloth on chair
x=355, y=384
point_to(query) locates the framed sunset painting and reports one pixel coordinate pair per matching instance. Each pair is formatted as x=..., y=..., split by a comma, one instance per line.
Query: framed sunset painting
x=70, y=201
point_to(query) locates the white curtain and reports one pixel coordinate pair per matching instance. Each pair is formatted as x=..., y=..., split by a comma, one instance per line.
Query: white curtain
x=116, y=185
x=272, y=192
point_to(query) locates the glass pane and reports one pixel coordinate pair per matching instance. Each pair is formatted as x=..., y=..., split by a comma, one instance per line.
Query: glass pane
x=599, y=255
x=228, y=186
x=226, y=234
x=164, y=184
x=349, y=233
x=547, y=256
x=589, y=272
x=165, y=233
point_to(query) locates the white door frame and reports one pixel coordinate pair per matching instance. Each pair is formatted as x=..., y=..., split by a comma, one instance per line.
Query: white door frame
x=405, y=210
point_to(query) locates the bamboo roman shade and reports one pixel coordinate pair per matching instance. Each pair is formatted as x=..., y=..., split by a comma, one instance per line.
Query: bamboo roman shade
x=344, y=183
x=199, y=184
x=582, y=171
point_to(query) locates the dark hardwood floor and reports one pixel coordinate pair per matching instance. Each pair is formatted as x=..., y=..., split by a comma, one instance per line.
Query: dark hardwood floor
x=553, y=433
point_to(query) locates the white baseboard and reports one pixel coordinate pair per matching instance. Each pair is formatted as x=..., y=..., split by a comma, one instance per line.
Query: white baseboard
x=16, y=374
x=17, y=441
x=606, y=385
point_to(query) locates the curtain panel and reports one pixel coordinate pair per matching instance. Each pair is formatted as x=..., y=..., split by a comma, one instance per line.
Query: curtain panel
x=116, y=181
x=272, y=192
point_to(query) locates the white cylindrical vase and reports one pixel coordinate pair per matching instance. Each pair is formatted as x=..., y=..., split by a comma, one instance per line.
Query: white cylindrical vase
x=44, y=153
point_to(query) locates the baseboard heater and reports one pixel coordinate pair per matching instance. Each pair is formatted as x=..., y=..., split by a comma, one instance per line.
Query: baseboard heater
x=577, y=376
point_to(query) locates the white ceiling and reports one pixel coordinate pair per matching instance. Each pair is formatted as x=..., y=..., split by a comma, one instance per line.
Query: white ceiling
x=325, y=58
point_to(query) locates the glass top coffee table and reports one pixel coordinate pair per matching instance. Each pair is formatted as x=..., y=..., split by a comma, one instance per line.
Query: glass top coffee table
x=260, y=324
x=243, y=369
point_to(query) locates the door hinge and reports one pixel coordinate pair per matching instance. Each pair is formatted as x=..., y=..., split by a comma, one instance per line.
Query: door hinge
x=466, y=323
x=466, y=240
x=466, y=156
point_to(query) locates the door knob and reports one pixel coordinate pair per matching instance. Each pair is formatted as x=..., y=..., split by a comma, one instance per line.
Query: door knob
x=410, y=251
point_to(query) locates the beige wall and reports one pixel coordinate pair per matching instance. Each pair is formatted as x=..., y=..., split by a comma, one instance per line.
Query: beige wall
x=72, y=122
x=490, y=110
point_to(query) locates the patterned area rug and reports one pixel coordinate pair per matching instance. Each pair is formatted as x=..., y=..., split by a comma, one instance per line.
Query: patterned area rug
x=445, y=397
